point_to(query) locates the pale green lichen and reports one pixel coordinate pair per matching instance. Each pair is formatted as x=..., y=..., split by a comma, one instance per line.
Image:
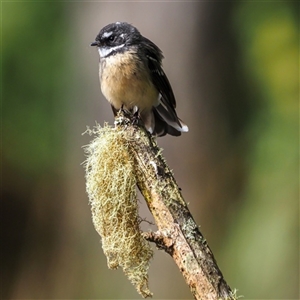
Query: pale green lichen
x=111, y=187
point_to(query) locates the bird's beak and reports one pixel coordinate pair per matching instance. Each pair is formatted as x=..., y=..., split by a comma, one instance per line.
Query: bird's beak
x=94, y=44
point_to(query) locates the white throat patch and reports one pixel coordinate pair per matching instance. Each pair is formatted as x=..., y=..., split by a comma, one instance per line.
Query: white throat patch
x=105, y=51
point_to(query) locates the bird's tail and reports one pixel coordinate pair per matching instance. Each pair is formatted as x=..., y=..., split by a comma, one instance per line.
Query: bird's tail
x=167, y=122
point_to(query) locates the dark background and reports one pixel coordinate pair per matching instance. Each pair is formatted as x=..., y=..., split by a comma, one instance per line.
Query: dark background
x=234, y=68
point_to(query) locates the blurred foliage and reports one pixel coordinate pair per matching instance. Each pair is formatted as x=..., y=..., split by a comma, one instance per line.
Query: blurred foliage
x=34, y=73
x=264, y=241
x=33, y=112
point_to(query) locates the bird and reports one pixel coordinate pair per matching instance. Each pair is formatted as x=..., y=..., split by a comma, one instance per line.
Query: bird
x=132, y=78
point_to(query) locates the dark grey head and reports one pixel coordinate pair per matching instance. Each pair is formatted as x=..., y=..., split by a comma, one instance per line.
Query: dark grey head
x=116, y=37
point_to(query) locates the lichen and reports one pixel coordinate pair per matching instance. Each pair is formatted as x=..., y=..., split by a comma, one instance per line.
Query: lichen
x=111, y=187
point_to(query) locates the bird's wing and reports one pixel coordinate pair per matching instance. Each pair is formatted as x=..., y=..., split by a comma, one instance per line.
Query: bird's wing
x=168, y=103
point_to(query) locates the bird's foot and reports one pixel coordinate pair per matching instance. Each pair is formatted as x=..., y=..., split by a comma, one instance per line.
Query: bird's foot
x=132, y=115
x=125, y=112
x=135, y=115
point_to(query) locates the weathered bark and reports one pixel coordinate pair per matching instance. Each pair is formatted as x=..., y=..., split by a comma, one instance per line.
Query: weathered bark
x=177, y=234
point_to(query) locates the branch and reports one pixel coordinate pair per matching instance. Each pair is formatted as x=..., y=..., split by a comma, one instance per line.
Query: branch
x=177, y=234
x=118, y=160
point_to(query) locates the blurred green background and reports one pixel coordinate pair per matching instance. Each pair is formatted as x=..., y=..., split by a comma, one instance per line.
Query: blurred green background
x=234, y=67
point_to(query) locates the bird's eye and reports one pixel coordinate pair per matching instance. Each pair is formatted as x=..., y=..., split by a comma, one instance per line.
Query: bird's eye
x=111, y=38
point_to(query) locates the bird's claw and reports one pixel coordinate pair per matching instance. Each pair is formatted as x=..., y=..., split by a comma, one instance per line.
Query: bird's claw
x=136, y=116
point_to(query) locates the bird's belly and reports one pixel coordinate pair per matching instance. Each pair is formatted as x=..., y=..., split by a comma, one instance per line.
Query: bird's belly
x=126, y=82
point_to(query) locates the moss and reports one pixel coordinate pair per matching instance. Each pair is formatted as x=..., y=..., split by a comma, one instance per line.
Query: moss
x=111, y=187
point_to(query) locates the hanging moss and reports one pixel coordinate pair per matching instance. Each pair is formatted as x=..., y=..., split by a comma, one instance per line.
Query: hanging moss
x=111, y=187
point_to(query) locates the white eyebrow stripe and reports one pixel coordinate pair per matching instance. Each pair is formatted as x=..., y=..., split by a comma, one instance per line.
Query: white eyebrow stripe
x=107, y=34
